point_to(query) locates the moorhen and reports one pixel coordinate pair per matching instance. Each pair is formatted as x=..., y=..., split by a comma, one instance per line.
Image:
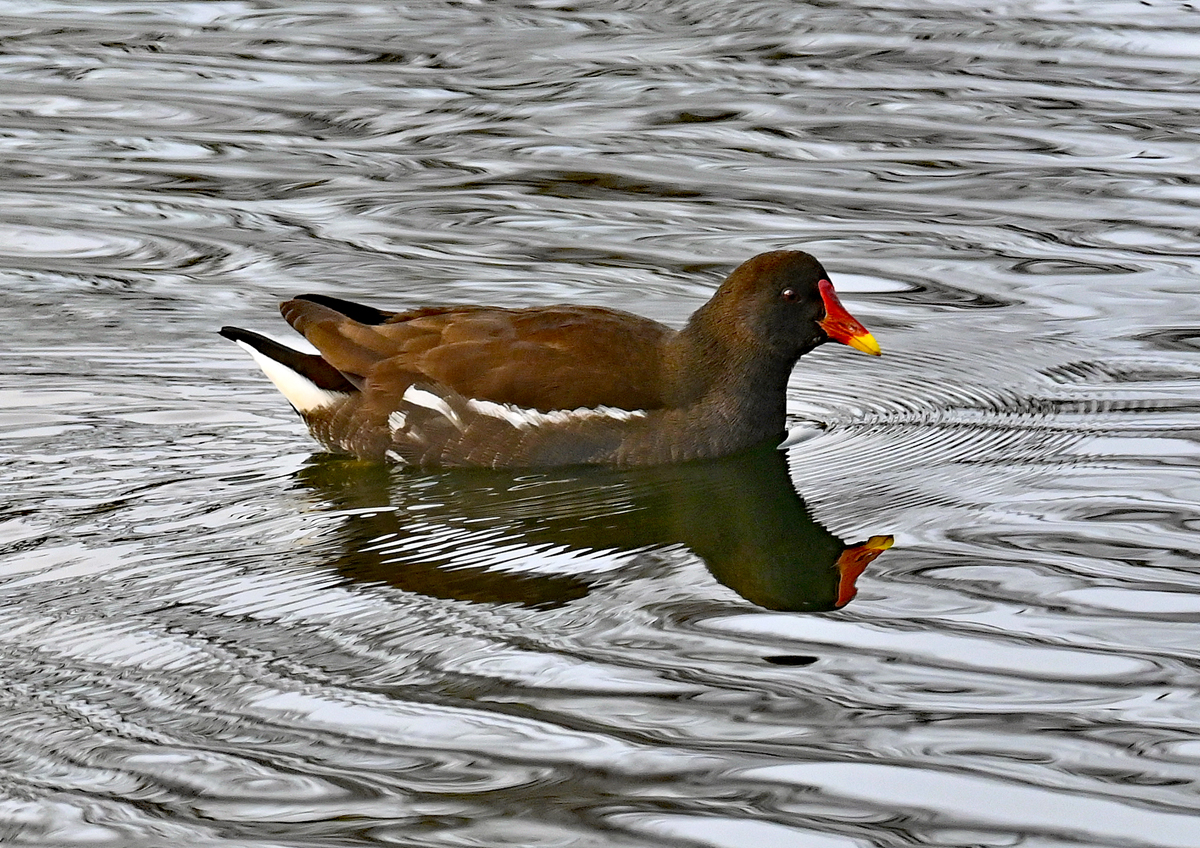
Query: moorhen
x=557, y=385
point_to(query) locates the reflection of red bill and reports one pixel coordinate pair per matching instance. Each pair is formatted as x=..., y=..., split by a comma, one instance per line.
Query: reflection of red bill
x=843, y=327
x=854, y=562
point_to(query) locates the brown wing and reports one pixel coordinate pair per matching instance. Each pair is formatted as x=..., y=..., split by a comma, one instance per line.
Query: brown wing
x=560, y=357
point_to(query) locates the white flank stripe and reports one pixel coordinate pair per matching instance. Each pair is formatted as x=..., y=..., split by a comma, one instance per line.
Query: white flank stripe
x=396, y=421
x=523, y=418
x=392, y=456
x=301, y=392
x=420, y=397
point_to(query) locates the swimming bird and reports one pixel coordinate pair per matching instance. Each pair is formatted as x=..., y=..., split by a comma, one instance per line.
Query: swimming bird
x=448, y=386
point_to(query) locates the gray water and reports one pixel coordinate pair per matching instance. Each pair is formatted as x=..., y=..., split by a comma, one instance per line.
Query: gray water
x=211, y=635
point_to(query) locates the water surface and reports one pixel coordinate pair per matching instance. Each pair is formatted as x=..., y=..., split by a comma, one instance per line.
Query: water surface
x=212, y=635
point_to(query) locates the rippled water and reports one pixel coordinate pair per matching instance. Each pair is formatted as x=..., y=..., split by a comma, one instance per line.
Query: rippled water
x=212, y=636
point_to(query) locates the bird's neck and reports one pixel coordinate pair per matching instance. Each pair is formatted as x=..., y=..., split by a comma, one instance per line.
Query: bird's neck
x=743, y=378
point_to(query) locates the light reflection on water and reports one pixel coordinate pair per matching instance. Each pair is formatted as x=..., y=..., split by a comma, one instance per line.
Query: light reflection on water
x=201, y=638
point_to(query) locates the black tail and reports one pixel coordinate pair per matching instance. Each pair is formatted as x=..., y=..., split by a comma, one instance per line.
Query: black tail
x=308, y=365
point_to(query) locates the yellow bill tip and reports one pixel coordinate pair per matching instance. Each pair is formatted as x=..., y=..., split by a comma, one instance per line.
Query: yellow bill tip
x=879, y=543
x=866, y=343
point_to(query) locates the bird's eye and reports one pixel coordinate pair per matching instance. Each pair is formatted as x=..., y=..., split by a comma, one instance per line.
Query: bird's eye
x=789, y=296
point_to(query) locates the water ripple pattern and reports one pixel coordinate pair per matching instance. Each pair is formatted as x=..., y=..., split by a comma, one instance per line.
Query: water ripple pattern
x=211, y=637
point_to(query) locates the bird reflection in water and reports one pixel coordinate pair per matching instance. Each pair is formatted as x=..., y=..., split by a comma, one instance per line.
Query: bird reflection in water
x=444, y=533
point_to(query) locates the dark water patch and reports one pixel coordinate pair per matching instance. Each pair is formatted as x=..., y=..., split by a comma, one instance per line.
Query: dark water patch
x=791, y=659
x=603, y=186
x=1172, y=340
x=1059, y=267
